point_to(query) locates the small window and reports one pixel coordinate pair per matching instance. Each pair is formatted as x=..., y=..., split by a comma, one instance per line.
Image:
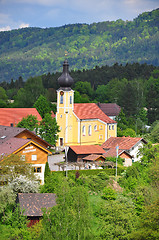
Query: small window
x=112, y=127
x=95, y=128
x=109, y=127
x=84, y=130
x=100, y=137
x=70, y=99
x=101, y=127
x=61, y=142
x=34, y=157
x=89, y=130
x=60, y=116
x=61, y=99
x=37, y=169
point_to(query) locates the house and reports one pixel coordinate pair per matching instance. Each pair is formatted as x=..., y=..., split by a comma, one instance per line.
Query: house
x=80, y=123
x=9, y=132
x=28, y=145
x=32, y=205
x=78, y=153
x=129, y=144
x=12, y=116
x=112, y=110
x=121, y=153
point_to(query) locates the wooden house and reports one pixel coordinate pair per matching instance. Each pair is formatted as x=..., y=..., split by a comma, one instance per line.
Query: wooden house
x=27, y=145
x=78, y=153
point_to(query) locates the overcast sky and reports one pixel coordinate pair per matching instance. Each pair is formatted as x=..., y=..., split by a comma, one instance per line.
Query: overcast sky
x=54, y=13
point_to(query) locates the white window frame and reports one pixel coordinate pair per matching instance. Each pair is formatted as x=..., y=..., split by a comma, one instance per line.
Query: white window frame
x=34, y=157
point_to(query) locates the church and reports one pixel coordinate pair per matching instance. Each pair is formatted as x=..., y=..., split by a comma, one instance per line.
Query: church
x=80, y=123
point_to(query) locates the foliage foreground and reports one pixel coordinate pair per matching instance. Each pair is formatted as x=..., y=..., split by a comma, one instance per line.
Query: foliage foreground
x=90, y=207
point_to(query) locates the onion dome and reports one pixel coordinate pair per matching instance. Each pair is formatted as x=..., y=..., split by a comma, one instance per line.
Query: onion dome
x=65, y=80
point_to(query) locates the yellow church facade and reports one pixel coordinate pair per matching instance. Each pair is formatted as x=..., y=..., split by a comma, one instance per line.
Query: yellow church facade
x=80, y=123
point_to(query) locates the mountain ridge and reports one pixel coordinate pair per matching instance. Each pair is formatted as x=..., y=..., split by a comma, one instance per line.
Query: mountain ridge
x=36, y=51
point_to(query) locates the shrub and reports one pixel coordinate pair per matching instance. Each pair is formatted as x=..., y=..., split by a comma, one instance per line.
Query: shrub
x=109, y=194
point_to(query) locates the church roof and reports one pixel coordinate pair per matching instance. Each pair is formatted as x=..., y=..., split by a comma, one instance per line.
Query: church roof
x=91, y=111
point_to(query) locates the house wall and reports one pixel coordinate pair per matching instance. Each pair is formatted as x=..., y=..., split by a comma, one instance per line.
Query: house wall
x=135, y=150
x=30, y=152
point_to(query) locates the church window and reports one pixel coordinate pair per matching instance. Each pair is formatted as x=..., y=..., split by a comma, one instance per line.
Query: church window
x=101, y=127
x=61, y=99
x=95, y=128
x=84, y=130
x=70, y=99
x=112, y=127
x=89, y=130
x=109, y=127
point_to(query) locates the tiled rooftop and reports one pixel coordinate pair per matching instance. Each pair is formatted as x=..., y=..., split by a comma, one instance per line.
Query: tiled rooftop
x=124, y=143
x=12, y=144
x=33, y=203
x=87, y=149
x=91, y=111
x=93, y=157
x=10, y=116
x=110, y=109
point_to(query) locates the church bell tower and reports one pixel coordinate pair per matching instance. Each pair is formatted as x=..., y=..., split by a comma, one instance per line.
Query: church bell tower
x=65, y=104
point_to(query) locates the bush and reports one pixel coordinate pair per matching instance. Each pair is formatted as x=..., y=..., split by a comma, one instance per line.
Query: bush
x=109, y=194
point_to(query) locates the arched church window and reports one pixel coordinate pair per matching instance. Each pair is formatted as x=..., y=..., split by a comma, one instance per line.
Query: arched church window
x=89, y=130
x=61, y=99
x=84, y=130
x=70, y=99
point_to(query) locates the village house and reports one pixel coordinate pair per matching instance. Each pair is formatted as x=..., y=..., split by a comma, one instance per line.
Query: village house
x=80, y=123
x=33, y=204
x=112, y=152
x=30, y=147
x=129, y=144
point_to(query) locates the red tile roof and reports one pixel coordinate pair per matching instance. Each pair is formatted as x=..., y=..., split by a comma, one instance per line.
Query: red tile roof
x=93, y=157
x=125, y=143
x=110, y=109
x=15, y=115
x=112, y=153
x=91, y=111
x=88, y=149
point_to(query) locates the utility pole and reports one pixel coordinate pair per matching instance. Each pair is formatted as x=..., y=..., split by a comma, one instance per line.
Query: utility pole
x=117, y=148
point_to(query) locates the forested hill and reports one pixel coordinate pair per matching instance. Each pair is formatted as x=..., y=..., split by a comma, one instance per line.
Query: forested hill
x=35, y=51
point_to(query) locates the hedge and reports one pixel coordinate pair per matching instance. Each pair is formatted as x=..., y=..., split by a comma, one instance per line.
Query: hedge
x=108, y=171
